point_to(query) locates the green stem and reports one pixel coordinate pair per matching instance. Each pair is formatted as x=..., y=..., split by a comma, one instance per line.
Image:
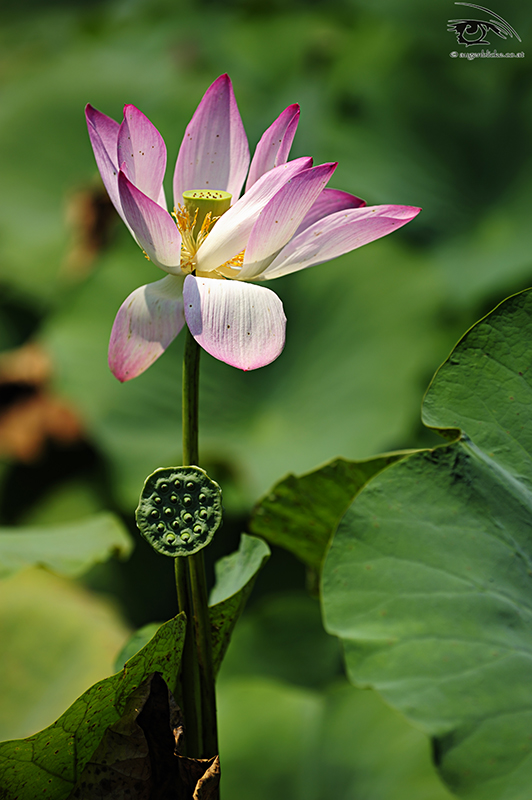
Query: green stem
x=198, y=585
x=190, y=400
x=192, y=576
x=189, y=692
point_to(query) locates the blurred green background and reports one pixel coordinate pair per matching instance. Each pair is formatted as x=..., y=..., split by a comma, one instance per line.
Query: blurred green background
x=408, y=125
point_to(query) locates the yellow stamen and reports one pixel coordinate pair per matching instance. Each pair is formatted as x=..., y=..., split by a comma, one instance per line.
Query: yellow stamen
x=194, y=231
x=189, y=245
x=231, y=268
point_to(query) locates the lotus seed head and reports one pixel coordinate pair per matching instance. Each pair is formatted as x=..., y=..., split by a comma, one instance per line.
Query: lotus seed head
x=179, y=511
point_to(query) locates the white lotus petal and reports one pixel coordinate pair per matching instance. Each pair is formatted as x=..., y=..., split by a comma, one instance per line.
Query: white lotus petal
x=337, y=234
x=214, y=153
x=239, y=323
x=154, y=228
x=146, y=323
x=230, y=234
x=280, y=218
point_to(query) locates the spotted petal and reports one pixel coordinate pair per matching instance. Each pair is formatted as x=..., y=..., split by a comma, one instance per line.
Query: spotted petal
x=103, y=133
x=280, y=218
x=146, y=323
x=230, y=234
x=239, y=323
x=214, y=153
x=329, y=202
x=154, y=228
x=274, y=146
x=337, y=234
x=142, y=154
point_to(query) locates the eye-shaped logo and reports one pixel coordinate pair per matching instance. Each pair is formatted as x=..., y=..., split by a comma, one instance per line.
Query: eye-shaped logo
x=474, y=31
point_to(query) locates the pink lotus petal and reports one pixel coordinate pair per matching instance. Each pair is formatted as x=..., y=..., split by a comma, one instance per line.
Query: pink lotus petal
x=146, y=323
x=337, y=234
x=280, y=218
x=103, y=133
x=142, y=154
x=329, y=202
x=214, y=153
x=154, y=228
x=239, y=323
x=230, y=234
x=274, y=146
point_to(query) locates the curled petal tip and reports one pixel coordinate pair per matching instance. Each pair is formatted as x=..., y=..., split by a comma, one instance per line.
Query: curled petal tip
x=406, y=212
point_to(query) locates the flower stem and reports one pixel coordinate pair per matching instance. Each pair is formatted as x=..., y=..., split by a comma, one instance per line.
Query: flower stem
x=189, y=692
x=190, y=400
x=199, y=699
x=198, y=585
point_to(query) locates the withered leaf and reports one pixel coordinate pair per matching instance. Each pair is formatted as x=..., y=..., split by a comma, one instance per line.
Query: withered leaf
x=137, y=757
x=30, y=414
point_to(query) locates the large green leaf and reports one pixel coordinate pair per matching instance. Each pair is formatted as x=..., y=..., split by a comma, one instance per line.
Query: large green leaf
x=428, y=579
x=295, y=744
x=292, y=728
x=235, y=577
x=69, y=549
x=301, y=513
x=136, y=642
x=51, y=761
x=57, y=639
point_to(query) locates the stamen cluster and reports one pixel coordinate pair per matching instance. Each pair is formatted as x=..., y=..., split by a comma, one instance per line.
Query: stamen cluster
x=190, y=244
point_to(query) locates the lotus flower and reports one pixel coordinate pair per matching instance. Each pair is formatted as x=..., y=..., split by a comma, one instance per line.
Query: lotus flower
x=285, y=221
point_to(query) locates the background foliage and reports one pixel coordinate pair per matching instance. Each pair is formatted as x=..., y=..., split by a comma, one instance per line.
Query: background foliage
x=408, y=124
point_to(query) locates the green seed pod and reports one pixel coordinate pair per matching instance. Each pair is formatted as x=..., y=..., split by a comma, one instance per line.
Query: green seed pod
x=179, y=511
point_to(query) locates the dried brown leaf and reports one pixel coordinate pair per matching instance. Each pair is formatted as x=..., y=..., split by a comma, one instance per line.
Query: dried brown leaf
x=29, y=412
x=137, y=760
